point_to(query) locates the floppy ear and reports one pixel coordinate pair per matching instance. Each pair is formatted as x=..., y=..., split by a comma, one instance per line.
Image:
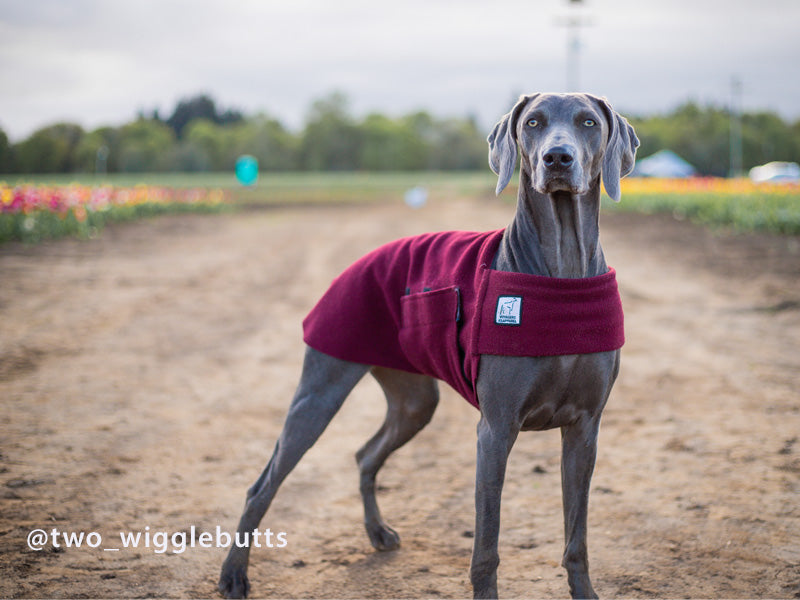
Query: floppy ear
x=620, y=153
x=503, y=144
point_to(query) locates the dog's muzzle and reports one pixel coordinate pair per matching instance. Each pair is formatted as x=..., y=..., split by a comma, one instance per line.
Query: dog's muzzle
x=559, y=170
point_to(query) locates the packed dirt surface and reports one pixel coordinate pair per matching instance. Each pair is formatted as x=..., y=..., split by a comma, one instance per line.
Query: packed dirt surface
x=144, y=377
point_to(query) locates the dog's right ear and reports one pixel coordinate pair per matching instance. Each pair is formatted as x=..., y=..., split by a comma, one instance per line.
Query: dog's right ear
x=503, y=144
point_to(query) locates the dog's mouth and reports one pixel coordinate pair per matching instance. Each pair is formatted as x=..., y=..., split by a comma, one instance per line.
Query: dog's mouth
x=549, y=181
x=558, y=184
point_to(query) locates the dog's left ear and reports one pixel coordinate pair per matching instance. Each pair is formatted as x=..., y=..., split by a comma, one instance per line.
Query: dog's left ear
x=620, y=152
x=503, y=144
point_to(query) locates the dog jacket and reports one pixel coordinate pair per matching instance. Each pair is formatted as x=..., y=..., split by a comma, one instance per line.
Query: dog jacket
x=431, y=304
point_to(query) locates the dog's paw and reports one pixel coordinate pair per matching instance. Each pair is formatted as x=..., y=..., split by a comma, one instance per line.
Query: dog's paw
x=384, y=538
x=488, y=593
x=233, y=583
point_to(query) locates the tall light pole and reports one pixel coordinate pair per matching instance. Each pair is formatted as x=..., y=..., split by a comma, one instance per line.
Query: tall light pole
x=573, y=22
x=736, y=128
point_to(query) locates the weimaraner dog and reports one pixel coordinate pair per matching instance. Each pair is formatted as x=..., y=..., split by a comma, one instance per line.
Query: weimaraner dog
x=566, y=143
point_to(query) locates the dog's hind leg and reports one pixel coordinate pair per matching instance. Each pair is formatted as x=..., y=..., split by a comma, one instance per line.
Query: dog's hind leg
x=323, y=387
x=411, y=401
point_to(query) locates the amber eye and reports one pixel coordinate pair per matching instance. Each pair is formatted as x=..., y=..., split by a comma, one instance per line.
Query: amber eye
x=532, y=122
x=589, y=123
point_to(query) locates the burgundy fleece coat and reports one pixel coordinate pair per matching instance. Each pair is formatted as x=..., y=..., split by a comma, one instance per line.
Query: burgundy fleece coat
x=431, y=304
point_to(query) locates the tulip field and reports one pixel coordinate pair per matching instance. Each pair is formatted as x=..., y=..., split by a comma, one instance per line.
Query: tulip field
x=737, y=203
x=31, y=212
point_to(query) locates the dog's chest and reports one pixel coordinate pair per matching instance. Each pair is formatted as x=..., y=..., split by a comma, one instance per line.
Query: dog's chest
x=549, y=391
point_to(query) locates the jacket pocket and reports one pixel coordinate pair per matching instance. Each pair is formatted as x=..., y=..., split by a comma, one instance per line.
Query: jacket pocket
x=429, y=332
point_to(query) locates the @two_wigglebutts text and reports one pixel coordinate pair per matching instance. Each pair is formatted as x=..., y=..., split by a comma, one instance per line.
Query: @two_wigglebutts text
x=159, y=541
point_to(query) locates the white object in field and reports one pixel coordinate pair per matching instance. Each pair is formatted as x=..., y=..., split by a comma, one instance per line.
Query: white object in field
x=416, y=197
x=775, y=172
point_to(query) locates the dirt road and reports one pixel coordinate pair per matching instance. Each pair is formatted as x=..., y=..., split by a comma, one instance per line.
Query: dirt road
x=144, y=377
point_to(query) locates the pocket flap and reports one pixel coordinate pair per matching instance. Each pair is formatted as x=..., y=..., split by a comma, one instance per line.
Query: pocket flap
x=428, y=308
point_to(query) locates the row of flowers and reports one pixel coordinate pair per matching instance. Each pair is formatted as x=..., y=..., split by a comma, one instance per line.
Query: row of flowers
x=737, y=203
x=706, y=185
x=35, y=212
x=74, y=197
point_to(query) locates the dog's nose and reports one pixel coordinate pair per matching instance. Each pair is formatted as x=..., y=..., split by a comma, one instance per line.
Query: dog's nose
x=559, y=158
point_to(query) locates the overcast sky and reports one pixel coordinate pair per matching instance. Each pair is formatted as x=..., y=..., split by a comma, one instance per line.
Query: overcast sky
x=97, y=62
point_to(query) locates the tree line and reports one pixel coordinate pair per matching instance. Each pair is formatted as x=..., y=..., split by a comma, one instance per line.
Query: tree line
x=701, y=135
x=199, y=136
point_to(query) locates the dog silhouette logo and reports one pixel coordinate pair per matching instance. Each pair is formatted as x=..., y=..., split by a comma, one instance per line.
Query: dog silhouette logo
x=509, y=310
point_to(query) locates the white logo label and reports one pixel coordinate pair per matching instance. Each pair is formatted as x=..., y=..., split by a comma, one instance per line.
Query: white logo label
x=509, y=310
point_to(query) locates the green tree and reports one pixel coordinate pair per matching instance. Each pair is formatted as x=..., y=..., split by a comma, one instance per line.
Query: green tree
x=795, y=133
x=765, y=138
x=6, y=155
x=212, y=139
x=98, y=151
x=185, y=156
x=457, y=144
x=49, y=150
x=331, y=138
x=391, y=144
x=144, y=145
x=201, y=106
x=381, y=144
x=265, y=138
x=421, y=126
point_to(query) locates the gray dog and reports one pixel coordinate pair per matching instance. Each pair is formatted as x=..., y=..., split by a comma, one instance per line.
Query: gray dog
x=567, y=143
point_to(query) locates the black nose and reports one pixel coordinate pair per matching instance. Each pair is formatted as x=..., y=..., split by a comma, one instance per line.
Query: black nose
x=559, y=158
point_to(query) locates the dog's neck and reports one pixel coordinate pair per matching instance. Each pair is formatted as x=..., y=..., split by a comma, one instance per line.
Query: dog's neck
x=556, y=235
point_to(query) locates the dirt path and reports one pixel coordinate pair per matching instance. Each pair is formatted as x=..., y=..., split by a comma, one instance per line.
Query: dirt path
x=144, y=377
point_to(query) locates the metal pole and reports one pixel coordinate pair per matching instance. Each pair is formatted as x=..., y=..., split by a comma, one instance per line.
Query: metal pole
x=573, y=51
x=736, y=128
x=573, y=23
x=101, y=160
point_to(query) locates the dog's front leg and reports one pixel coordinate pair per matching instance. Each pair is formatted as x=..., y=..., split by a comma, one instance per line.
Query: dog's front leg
x=494, y=445
x=579, y=449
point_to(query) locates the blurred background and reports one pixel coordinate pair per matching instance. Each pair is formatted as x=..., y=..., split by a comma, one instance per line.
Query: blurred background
x=148, y=86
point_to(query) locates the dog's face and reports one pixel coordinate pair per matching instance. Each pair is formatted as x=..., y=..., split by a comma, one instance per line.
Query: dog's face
x=561, y=141
x=566, y=142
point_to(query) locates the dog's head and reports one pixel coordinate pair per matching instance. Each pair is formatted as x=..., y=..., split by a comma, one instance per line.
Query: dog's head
x=565, y=141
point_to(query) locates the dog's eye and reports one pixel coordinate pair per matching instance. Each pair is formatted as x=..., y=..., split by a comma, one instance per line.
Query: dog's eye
x=589, y=123
x=532, y=122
